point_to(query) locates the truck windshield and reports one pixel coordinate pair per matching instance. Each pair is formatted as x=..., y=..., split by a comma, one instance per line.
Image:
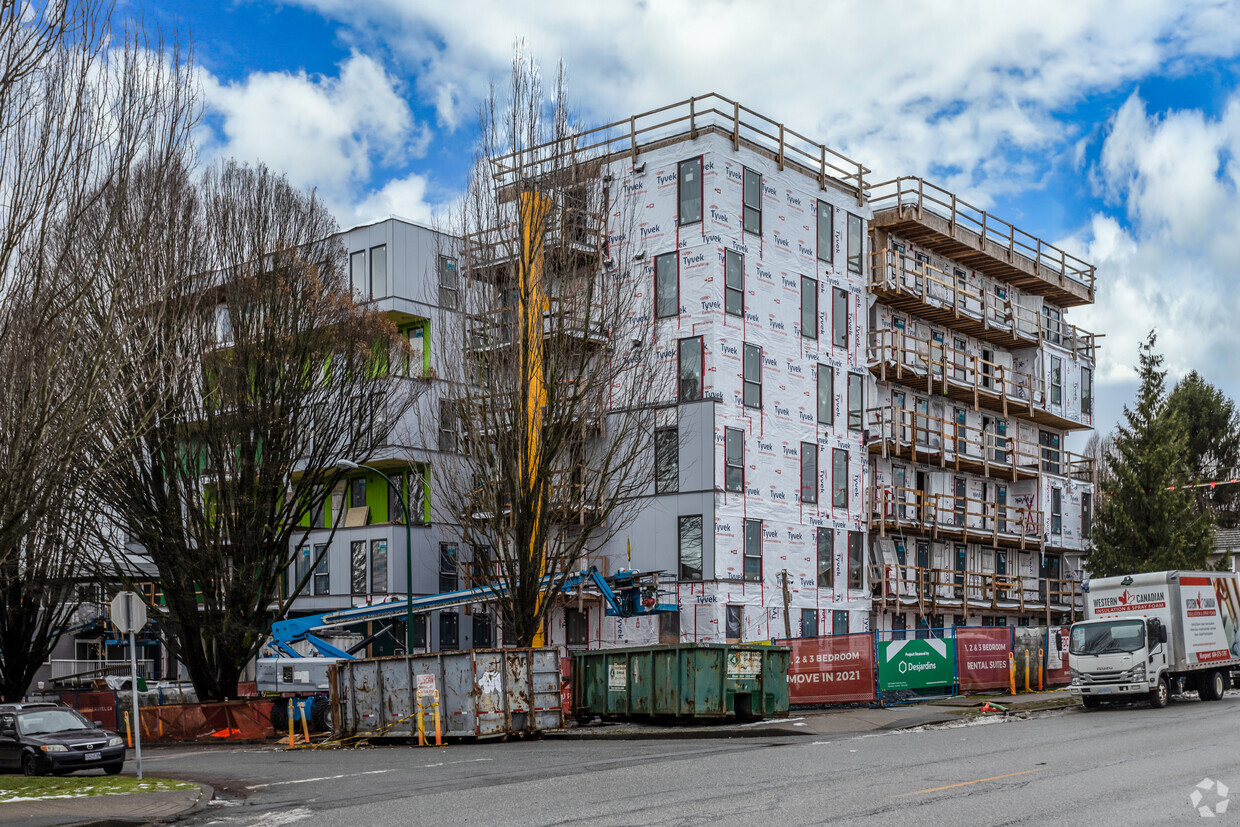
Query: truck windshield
x=1099, y=638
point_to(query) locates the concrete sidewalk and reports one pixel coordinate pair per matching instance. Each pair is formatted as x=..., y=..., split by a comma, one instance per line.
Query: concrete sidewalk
x=138, y=808
x=834, y=722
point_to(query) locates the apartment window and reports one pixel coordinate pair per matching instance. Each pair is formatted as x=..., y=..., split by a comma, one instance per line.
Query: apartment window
x=734, y=623
x=481, y=571
x=395, y=511
x=449, y=631
x=576, y=628
x=419, y=631
x=1087, y=391
x=839, y=478
x=826, y=394
x=416, y=488
x=666, y=461
x=357, y=274
x=357, y=567
x=826, y=557
x=753, y=550
x=1056, y=380
x=753, y=202
x=809, y=308
x=689, y=191
x=669, y=627
x=416, y=365
x=667, y=285
x=1050, y=451
x=378, y=566
x=448, y=579
x=809, y=623
x=378, y=271
x=447, y=425
x=482, y=631
x=690, y=544
x=856, y=244
x=322, y=576
x=826, y=232
x=357, y=492
x=839, y=622
x=690, y=369
x=856, y=552
x=1087, y=515
x=753, y=376
x=856, y=402
x=734, y=283
x=449, y=284
x=734, y=460
x=899, y=628
x=809, y=472
x=302, y=565
x=319, y=518
x=1056, y=511
x=839, y=317
x=1052, y=326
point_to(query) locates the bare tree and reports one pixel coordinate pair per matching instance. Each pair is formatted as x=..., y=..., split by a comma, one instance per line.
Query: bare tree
x=266, y=375
x=557, y=392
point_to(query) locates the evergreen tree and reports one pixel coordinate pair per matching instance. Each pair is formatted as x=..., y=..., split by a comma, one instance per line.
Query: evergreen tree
x=1147, y=520
x=1212, y=432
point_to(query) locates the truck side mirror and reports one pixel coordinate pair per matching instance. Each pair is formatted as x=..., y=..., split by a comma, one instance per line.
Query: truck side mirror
x=1162, y=634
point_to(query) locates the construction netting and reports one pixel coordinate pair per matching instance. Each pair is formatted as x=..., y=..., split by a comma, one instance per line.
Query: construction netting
x=248, y=719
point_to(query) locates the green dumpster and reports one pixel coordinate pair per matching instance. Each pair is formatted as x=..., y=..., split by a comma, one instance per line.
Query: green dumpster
x=688, y=680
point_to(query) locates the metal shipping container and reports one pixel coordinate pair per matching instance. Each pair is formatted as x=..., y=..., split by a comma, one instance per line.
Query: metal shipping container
x=689, y=680
x=483, y=693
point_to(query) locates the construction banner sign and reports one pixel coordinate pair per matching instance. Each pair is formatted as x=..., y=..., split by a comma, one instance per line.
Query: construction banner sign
x=829, y=670
x=983, y=653
x=916, y=664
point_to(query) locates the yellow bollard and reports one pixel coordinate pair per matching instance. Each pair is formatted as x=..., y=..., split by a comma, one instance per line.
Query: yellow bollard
x=290, y=723
x=128, y=731
x=438, y=728
x=1027, y=670
x=1012, y=671
x=305, y=725
x=1041, y=660
x=421, y=722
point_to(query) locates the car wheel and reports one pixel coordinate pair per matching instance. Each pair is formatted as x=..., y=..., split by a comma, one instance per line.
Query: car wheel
x=114, y=769
x=29, y=767
x=1159, y=694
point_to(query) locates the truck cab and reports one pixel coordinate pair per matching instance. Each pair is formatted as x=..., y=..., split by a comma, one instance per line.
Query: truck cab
x=1118, y=659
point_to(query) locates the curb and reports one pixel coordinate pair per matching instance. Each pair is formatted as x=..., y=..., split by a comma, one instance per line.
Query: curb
x=206, y=793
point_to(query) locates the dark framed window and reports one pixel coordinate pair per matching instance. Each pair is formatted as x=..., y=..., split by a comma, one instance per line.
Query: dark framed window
x=856, y=244
x=1087, y=391
x=320, y=512
x=839, y=622
x=322, y=575
x=1049, y=441
x=689, y=539
x=301, y=565
x=809, y=472
x=753, y=376
x=734, y=622
x=667, y=285
x=378, y=271
x=576, y=627
x=419, y=631
x=447, y=425
x=690, y=358
x=826, y=557
x=753, y=550
x=1052, y=324
x=449, y=578
x=753, y=202
x=856, y=560
x=1056, y=380
x=666, y=460
x=839, y=317
x=809, y=308
x=357, y=274
x=826, y=232
x=733, y=283
x=1087, y=515
x=449, y=631
x=856, y=402
x=378, y=566
x=415, y=488
x=809, y=623
x=689, y=191
x=734, y=460
x=1056, y=511
x=482, y=631
x=357, y=492
x=899, y=627
x=395, y=511
x=357, y=567
x=839, y=478
x=449, y=284
x=669, y=627
x=826, y=394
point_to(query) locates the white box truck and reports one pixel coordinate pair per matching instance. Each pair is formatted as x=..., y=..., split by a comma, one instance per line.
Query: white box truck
x=1154, y=634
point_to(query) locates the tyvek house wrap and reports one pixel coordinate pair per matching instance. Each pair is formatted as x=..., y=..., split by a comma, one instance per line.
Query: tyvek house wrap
x=774, y=264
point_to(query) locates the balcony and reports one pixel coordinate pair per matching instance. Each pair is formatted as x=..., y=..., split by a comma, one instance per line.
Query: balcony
x=575, y=237
x=935, y=218
x=949, y=517
x=923, y=290
x=566, y=318
x=916, y=437
x=932, y=590
x=82, y=672
x=941, y=368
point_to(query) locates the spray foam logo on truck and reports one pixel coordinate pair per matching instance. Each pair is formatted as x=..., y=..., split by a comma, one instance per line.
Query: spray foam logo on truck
x=1203, y=605
x=1128, y=601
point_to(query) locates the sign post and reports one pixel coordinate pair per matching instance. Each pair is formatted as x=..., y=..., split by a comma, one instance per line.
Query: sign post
x=129, y=615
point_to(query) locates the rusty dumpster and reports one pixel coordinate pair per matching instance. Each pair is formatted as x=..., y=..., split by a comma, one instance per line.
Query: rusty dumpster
x=482, y=693
x=711, y=681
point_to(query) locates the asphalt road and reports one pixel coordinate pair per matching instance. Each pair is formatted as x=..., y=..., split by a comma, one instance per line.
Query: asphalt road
x=1114, y=766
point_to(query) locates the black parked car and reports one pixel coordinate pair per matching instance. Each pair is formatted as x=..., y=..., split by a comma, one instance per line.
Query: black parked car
x=43, y=738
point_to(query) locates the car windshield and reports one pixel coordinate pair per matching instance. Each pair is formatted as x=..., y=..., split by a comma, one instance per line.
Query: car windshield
x=46, y=721
x=1100, y=638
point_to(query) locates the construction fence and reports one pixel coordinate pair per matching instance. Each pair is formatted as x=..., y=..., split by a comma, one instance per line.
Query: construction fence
x=888, y=668
x=247, y=719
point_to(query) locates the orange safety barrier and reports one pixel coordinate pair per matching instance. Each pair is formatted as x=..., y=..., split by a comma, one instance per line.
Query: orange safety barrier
x=248, y=719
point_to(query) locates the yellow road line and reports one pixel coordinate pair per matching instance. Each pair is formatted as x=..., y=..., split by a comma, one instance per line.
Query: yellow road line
x=966, y=783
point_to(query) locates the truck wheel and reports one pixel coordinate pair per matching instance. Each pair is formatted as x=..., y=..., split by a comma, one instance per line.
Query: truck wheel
x=321, y=715
x=1159, y=694
x=1089, y=701
x=279, y=715
x=1216, y=686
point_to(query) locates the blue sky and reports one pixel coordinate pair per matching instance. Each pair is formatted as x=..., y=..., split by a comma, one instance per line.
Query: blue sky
x=1111, y=128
